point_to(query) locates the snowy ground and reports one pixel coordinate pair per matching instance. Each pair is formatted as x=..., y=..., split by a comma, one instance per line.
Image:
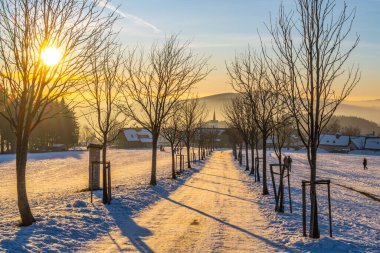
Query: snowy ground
x=66, y=219
x=356, y=222
x=216, y=209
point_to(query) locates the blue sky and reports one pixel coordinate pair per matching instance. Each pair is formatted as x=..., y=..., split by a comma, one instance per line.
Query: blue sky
x=221, y=28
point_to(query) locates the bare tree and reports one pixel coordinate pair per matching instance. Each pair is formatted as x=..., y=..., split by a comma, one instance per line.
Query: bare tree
x=86, y=134
x=33, y=73
x=157, y=82
x=280, y=136
x=172, y=131
x=102, y=95
x=250, y=76
x=201, y=138
x=234, y=138
x=193, y=113
x=236, y=113
x=313, y=65
x=253, y=137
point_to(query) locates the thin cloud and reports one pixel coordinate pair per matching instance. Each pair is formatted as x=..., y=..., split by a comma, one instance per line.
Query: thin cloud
x=136, y=20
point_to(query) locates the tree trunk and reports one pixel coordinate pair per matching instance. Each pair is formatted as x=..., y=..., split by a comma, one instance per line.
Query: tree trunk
x=153, y=177
x=22, y=197
x=104, y=160
x=252, y=160
x=265, y=186
x=280, y=207
x=246, y=156
x=188, y=156
x=258, y=161
x=314, y=229
x=240, y=156
x=234, y=151
x=2, y=144
x=174, y=176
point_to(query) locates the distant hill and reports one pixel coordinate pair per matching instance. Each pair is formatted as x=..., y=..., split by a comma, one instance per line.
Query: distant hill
x=366, y=127
x=216, y=103
x=369, y=110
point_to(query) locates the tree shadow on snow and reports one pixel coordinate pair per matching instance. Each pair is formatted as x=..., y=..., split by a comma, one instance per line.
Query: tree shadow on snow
x=128, y=227
x=123, y=208
x=77, y=154
x=71, y=227
x=165, y=195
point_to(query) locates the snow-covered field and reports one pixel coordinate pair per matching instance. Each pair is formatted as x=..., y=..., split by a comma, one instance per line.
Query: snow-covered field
x=68, y=222
x=355, y=217
x=66, y=219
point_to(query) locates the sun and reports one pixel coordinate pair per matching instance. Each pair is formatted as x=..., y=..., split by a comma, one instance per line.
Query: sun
x=51, y=56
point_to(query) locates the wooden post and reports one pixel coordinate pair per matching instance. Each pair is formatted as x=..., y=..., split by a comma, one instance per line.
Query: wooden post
x=303, y=209
x=176, y=163
x=94, y=169
x=280, y=194
x=274, y=186
x=328, y=192
x=105, y=188
x=109, y=182
x=91, y=179
x=290, y=195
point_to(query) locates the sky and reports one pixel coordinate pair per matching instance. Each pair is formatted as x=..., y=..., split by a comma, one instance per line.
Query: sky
x=222, y=28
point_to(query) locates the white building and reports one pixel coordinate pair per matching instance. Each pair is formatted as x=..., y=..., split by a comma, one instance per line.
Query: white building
x=372, y=143
x=335, y=142
x=214, y=123
x=134, y=138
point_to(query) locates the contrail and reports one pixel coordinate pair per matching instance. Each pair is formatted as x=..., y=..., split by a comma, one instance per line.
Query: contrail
x=138, y=21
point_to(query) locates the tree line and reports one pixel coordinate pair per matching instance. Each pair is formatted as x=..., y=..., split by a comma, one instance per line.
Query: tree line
x=295, y=81
x=61, y=129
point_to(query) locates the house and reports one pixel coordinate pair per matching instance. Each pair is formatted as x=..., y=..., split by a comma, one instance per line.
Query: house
x=335, y=143
x=134, y=138
x=372, y=143
x=358, y=142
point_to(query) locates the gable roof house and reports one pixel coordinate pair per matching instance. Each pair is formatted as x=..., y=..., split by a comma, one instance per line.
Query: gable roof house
x=134, y=138
x=335, y=143
x=372, y=143
x=358, y=142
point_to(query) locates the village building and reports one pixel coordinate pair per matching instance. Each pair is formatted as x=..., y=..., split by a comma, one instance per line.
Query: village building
x=214, y=123
x=372, y=143
x=358, y=142
x=134, y=138
x=335, y=143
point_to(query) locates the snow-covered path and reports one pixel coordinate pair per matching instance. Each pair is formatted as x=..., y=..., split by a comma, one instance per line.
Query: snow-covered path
x=214, y=211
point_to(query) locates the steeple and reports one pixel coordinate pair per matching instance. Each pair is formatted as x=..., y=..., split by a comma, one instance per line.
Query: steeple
x=214, y=118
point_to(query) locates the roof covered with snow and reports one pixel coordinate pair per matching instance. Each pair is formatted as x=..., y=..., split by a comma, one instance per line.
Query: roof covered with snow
x=372, y=143
x=358, y=141
x=137, y=135
x=334, y=140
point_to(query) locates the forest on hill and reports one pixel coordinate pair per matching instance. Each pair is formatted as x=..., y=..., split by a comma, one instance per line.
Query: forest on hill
x=352, y=125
